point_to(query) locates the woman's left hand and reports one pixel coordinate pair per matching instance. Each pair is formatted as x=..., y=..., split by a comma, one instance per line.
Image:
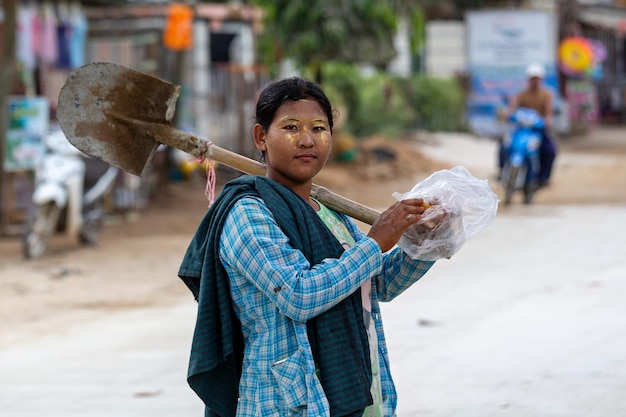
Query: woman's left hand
x=393, y=222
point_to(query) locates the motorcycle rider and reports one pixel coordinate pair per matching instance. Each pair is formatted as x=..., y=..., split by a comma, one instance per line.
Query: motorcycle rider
x=538, y=98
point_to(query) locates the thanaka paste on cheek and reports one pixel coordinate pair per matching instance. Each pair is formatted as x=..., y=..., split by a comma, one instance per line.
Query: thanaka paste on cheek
x=291, y=136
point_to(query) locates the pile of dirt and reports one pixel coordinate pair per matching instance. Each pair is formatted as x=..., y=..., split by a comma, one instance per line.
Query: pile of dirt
x=381, y=159
x=381, y=167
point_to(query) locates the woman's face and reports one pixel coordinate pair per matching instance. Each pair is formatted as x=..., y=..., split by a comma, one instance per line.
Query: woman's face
x=297, y=143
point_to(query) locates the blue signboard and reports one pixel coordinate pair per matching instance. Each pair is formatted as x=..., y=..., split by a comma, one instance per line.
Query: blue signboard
x=28, y=124
x=501, y=44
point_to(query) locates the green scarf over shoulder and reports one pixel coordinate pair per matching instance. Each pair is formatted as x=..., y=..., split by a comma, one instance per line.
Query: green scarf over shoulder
x=338, y=337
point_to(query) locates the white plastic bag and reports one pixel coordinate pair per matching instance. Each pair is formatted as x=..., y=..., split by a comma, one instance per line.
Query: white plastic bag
x=464, y=205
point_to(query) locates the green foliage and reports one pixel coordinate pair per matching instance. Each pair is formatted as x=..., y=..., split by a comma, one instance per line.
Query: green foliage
x=318, y=31
x=417, y=35
x=392, y=106
x=383, y=108
x=333, y=36
x=439, y=102
x=343, y=84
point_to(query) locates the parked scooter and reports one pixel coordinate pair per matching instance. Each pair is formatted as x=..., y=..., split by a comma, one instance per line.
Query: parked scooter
x=520, y=149
x=68, y=196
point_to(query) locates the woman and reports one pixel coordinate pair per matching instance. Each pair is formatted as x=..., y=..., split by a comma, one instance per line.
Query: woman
x=288, y=318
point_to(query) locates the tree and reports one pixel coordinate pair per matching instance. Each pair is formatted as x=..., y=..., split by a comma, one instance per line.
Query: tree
x=316, y=31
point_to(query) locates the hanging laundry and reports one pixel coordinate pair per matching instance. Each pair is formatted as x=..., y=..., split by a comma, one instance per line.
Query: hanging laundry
x=49, y=53
x=64, y=33
x=79, y=36
x=37, y=25
x=24, y=51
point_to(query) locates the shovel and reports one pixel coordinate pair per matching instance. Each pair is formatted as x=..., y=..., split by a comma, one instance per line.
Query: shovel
x=121, y=116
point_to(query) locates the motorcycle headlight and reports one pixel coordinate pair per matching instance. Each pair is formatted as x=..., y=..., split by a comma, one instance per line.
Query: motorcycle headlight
x=526, y=121
x=527, y=118
x=534, y=144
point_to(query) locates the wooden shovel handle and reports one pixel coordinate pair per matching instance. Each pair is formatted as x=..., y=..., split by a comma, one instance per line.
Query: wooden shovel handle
x=201, y=148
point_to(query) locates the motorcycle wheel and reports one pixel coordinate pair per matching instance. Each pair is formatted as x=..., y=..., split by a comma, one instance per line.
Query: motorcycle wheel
x=40, y=225
x=511, y=185
x=92, y=225
x=529, y=192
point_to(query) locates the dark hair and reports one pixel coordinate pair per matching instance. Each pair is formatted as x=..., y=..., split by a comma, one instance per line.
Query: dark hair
x=294, y=88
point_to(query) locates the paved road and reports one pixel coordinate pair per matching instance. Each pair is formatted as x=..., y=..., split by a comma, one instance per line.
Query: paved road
x=129, y=364
x=526, y=320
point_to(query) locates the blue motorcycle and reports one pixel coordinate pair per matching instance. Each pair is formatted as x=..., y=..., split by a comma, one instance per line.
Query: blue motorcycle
x=521, y=145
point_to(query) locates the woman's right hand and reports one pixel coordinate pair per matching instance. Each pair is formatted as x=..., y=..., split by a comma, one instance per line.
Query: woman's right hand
x=393, y=222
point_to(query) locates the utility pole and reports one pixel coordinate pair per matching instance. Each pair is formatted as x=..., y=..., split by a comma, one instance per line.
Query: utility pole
x=569, y=19
x=7, y=74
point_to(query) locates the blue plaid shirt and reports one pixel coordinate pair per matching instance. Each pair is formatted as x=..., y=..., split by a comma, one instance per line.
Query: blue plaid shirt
x=275, y=291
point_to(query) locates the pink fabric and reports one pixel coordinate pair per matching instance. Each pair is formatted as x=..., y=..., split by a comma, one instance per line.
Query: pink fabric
x=211, y=177
x=366, y=295
x=49, y=45
x=37, y=28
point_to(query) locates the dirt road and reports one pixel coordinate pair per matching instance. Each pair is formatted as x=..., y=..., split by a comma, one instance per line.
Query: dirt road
x=136, y=261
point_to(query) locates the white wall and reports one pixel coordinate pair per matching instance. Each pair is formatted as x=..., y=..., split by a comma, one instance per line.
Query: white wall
x=401, y=65
x=445, y=48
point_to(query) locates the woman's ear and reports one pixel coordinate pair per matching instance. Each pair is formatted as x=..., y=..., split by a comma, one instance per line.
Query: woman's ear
x=259, y=137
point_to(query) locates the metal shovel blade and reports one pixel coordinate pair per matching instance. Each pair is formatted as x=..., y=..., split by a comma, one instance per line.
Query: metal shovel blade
x=97, y=98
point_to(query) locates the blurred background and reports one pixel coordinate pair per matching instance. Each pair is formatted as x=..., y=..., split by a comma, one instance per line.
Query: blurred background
x=527, y=320
x=392, y=67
